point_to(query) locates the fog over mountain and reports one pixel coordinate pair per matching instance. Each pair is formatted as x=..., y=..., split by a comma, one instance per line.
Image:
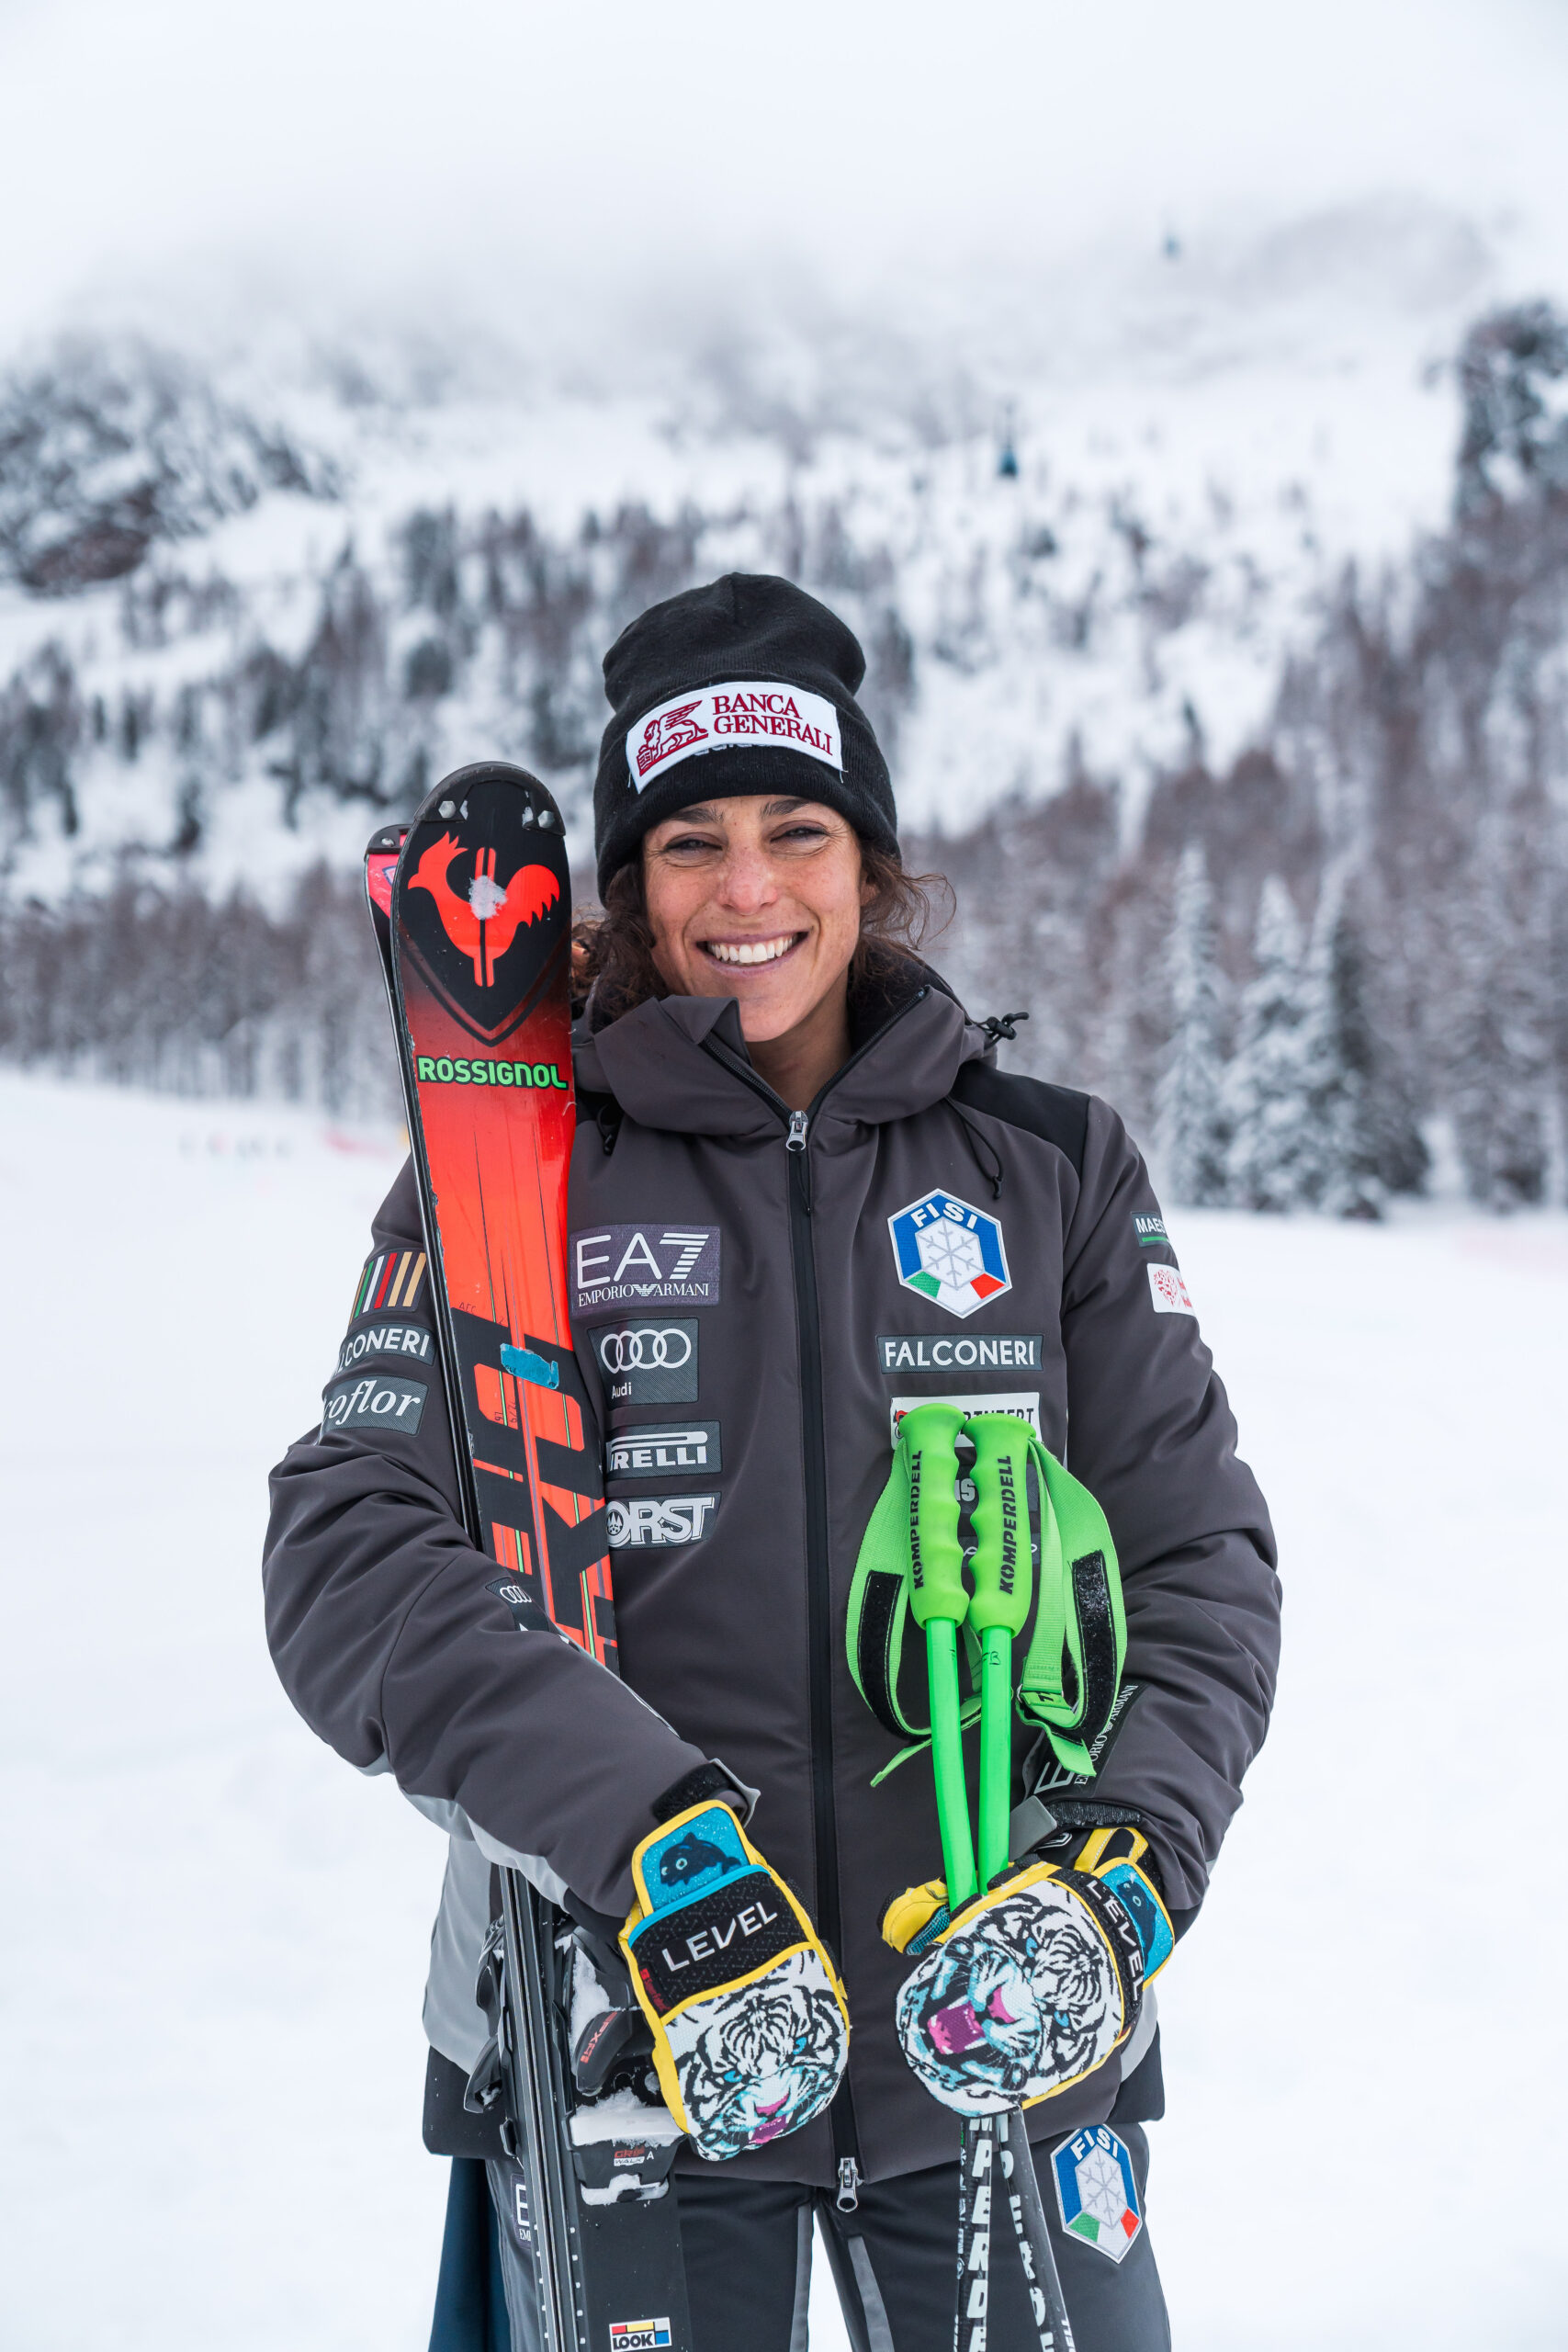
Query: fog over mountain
x=1234, y=539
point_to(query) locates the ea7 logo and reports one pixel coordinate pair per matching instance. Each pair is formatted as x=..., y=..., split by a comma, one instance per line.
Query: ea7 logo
x=658, y=1519
x=950, y=1252
x=661, y=1263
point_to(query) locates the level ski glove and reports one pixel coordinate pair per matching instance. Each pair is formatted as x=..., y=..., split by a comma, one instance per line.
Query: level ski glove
x=1037, y=1981
x=750, y=2025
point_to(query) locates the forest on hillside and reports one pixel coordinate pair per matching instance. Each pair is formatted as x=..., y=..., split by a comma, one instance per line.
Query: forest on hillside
x=1290, y=971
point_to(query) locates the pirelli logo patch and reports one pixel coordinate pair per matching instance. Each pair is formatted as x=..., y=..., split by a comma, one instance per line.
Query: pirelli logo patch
x=649, y=1452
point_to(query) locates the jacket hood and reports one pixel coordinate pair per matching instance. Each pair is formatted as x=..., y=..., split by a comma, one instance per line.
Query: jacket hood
x=681, y=1062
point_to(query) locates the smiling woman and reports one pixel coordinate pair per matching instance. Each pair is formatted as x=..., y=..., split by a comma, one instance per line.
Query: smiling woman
x=746, y=828
x=777, y=903
x=806, y=1206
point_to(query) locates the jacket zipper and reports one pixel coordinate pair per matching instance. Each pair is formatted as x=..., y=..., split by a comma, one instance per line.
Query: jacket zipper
x=818, y=1582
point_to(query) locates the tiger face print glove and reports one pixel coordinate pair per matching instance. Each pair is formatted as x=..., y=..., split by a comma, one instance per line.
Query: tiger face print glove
x=1038, y=1980
x=750, y=2025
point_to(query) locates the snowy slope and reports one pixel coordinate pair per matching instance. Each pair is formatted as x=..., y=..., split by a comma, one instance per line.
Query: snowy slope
x=210, y=1979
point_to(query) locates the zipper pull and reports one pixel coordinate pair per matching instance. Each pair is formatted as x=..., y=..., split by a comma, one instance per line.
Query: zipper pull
x=849, y=2171
x=795, y=1139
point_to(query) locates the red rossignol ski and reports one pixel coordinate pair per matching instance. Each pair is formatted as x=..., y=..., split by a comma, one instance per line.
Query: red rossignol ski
x=472, y=910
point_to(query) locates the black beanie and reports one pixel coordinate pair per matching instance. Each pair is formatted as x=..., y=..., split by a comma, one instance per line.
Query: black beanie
x=745, y=686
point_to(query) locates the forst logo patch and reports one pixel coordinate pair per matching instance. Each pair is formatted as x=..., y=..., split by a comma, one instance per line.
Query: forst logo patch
x=658, y=1519
x=950, y=1252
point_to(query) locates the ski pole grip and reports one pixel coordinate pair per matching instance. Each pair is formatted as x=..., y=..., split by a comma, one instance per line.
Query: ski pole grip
x=926, y=1440
x=1000, y=1567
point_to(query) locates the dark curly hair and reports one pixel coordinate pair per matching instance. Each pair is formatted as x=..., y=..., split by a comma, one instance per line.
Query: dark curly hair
x=612, y=959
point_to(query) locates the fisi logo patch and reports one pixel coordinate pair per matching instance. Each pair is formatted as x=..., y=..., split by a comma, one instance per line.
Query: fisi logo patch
x=950, y=1251
x=1096, y=2192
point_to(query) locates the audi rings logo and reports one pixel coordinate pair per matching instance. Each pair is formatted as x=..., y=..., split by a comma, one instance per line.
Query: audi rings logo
x=643, y=1348
x=652, y=1363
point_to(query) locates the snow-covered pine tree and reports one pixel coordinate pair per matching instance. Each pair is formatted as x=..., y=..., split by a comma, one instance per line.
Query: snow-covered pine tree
x=1191, y=1130
x=1340, y=1064
x=1274, y=1159
x=1499, y=1044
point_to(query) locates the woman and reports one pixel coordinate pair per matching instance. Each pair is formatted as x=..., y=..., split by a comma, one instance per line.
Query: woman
x=804, y=1200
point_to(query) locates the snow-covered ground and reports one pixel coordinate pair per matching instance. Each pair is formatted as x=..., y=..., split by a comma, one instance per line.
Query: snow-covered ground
x=214, y=1938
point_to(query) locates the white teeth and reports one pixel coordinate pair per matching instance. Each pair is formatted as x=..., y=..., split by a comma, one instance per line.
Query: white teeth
x=748, y=951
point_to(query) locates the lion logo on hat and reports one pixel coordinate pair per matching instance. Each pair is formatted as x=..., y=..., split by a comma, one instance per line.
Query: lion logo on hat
x=667, y=731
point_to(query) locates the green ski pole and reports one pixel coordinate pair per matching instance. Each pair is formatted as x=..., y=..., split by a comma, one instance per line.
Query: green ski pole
x=998, y=1611
x=939, y=1603
x=1002, y=1570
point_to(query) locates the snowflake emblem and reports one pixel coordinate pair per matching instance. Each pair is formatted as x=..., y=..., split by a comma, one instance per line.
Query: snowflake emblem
x=950, y=1251
x=1097, y=2190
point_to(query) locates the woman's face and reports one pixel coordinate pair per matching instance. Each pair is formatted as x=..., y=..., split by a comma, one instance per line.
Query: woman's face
x=757, y=900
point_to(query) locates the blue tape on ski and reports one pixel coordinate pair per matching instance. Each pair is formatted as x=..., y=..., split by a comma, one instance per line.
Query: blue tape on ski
x=528, y=1366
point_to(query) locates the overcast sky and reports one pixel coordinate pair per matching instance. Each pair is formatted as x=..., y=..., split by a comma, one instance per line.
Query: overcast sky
x=376, y=149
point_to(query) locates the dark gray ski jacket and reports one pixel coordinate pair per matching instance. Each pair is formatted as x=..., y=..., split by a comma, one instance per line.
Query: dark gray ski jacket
x=751, y=1307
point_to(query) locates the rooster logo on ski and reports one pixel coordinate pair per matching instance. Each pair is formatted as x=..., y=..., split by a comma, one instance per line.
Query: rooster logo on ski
x=484, y=915
x=669, y=731
x=483, y=925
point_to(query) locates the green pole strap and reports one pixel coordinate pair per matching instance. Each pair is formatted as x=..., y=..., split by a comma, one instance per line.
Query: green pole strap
x=1073, y=1668
x=1077, y=1644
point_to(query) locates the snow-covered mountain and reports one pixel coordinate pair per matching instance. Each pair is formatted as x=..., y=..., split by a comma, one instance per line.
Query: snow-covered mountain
x=244, y=603
x=1255, y=550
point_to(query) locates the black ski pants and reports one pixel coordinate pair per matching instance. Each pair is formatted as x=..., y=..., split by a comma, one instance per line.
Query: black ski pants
x=748, y=2247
